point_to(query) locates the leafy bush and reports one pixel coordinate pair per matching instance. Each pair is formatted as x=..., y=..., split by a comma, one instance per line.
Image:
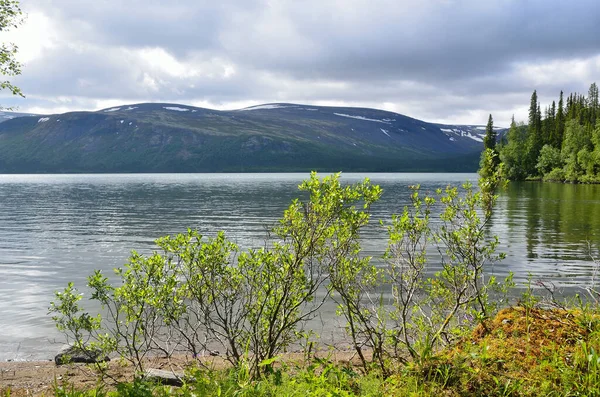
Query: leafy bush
x=425, y=313
x=556, y=175
x=548, y=159
x=199, y=292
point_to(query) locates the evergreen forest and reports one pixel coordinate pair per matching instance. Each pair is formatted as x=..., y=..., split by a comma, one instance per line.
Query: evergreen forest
x=560, y=144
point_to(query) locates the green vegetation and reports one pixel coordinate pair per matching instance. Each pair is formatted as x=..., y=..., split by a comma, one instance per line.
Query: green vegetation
x=10, y=17
x=561, y=146
x=413, y=331
x=522, y=351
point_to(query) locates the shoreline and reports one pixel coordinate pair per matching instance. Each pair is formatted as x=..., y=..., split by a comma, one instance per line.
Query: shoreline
x=37, y=378
x=534, y=351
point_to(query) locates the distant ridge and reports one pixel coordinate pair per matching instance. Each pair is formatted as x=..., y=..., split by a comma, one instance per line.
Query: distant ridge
x=166, y=137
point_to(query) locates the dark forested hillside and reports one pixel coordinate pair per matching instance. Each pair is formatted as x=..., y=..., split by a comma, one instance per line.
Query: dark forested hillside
x=274, y=137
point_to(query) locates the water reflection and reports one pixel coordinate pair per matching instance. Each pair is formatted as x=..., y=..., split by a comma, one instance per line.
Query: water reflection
x=548, y=230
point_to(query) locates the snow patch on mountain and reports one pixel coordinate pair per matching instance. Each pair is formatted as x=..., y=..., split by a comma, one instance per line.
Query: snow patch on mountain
x=478, y=137
x=112, y=110
x=43, y=119
x=267, y=107
x=360, y=118
x=385, y=132
x=176, y=108
x=469, y=135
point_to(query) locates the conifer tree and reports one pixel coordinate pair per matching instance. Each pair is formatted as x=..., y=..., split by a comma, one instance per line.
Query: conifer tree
x=534, y=136
x=489, y=157
x=489, y=141
x=546, y=131
x=560, y=124
x=533, y=108
x=550, y=125
x=538, y=123
x=593, y=103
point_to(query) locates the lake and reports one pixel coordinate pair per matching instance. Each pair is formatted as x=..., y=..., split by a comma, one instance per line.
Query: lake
x=58, y=228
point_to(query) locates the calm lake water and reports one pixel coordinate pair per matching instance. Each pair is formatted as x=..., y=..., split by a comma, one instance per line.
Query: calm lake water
x=58, y=228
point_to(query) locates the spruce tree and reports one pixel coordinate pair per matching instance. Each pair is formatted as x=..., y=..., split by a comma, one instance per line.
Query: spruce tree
x=489, y=141
x=593, y=103
x=534, y=136
x=551, y=125
x=560, y=124
x=488, y=165
x=538, y=123
x=533, y=104
x=546, y=131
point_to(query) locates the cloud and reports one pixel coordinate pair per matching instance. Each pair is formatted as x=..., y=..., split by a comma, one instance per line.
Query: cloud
x=449, y=61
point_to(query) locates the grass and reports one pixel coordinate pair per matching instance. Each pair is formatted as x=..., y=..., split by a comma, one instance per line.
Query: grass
x=526, y=351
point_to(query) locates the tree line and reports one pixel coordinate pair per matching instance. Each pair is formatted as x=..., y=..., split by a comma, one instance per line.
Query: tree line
x=560, y=144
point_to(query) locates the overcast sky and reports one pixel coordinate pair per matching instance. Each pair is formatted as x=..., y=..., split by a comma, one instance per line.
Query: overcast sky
x=448, y=61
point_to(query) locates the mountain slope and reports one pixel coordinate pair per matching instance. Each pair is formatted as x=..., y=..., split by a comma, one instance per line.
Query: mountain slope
x=5, y=115
x=156, y=137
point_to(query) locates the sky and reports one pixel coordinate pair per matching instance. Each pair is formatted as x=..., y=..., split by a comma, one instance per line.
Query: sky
x=446, y=61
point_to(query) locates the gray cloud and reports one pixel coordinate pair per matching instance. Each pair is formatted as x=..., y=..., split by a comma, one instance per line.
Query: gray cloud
x=434, y=59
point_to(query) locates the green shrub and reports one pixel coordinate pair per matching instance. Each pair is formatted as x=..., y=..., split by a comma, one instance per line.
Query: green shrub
x=196, y=292
x=556, y=175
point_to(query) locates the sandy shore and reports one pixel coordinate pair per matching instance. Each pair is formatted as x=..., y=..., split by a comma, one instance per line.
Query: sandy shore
x=38, y=378
x=27, y=378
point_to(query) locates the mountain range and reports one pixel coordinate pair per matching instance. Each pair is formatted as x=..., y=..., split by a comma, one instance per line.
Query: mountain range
x=161, y=137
